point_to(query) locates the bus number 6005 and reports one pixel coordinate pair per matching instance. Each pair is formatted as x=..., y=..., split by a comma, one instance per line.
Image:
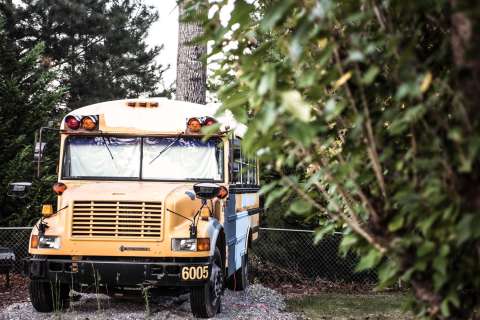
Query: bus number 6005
x=195, y=273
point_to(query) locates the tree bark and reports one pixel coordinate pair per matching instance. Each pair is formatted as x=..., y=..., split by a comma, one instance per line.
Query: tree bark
x=191, y=84
x=465, y=42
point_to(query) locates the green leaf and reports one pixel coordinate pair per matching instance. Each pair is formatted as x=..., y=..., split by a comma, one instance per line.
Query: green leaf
x=322, y=232
x=414, y=113
x=425, y=248
x=302, y=133
x=396, y=223
x=274, y=195
x=333, y=109
x=293, y=102
x=387, y=274
x=209, y=130
x=267, y=187
x=300, y=206
x=241, y=13
x=275, y=13
x=444, y=308
x=267, y=82
x=370, y=75
x=348, y=241
x=267, y=117
x=439, y=280
x=355, y=56
x=369, y=261
x=440, y=264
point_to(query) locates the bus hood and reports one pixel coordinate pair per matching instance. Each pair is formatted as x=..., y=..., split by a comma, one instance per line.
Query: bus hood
x=122, y=191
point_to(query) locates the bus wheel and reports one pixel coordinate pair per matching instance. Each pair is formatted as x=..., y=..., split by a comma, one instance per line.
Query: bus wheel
x=239, y=280
x=205, y=301
x=48, y=297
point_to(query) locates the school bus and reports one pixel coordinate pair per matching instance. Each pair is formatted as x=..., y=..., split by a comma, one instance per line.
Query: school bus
x=147, y=201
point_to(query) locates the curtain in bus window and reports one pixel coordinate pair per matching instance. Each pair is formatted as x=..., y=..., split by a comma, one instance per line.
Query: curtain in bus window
x=90, y=157
x=185, y=159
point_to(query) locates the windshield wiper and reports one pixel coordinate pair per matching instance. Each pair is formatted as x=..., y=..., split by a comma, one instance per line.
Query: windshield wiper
x=106, y=145
x=167, y=147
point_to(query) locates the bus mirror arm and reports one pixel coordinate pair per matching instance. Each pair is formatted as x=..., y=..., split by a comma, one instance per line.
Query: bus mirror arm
x=193, y=226
x=194, y=221
x=43, y=226
x=196, y=218
x=39, y=146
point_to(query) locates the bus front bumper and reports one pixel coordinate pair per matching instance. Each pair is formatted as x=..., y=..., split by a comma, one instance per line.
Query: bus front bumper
x=115, y=272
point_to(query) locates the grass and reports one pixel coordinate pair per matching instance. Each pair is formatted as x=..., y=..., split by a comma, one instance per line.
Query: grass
x=350, y=306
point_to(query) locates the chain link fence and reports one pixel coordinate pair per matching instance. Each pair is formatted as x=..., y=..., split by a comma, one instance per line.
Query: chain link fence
x=279, y=256
x=17, y=240
x=287, y=255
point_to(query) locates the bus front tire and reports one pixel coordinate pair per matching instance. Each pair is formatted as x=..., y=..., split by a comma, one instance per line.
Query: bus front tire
x=48, y=297
x=239, y=280
x=205, y=301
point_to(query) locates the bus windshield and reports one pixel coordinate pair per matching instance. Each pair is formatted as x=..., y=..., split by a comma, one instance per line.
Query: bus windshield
x=143, y=158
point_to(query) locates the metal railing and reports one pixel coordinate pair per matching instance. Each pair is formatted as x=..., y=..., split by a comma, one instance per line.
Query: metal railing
x=279, y=256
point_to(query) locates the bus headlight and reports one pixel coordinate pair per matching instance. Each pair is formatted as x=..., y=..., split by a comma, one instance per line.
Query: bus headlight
x=49, y=242
x=200, y=244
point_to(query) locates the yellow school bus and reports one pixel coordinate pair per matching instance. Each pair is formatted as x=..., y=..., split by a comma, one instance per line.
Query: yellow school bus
x=145, y=200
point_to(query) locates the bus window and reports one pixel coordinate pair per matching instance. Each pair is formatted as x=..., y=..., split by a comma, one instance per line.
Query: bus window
x=244, y=168
x=185, y=159
x=102, y=157
x=237, y=163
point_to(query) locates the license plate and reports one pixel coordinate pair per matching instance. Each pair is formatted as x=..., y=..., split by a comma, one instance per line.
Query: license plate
x=194, y=273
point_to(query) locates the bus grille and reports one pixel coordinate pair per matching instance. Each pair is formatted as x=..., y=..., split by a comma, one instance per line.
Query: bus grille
x=120, y=219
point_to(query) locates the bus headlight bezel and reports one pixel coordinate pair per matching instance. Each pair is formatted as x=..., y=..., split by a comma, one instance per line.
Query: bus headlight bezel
x=191, y=244
x=49, y=242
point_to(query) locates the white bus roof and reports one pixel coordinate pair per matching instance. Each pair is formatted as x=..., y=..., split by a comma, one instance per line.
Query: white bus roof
x=170, y=116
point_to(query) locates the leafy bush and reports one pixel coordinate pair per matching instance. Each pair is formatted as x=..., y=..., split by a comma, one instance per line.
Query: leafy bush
x=28, y=95
x=367, y=111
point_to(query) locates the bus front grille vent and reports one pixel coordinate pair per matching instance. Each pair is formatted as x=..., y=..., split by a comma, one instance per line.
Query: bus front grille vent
x=117, y=219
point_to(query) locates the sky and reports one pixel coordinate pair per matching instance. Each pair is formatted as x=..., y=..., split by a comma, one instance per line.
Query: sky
x=165, y=31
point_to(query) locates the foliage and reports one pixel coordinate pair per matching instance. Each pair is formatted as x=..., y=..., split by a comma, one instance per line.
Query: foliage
x=360, y=110
x=98, y=47
x=57, y=55
x=28, y=95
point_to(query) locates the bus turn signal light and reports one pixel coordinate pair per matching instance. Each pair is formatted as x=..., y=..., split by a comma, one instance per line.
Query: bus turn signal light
x=72, y=122
x=203, y=244
x=194, y=125
x=222, y=192
x=89, y=123
x=34, y=241
x=59, y=188
x=47, y=210
x=209, y=121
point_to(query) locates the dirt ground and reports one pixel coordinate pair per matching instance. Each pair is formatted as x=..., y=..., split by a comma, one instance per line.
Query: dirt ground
x=257, y=302
x=17, y=292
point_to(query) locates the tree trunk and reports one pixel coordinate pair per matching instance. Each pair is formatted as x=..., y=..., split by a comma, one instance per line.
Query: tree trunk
x=465, y=41
x=191, y=82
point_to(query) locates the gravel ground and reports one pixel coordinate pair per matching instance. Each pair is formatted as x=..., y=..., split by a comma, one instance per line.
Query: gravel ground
x=257, y=302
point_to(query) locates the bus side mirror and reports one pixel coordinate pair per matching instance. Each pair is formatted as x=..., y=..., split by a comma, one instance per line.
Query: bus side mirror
x=206, y=191
x=38, y=151
x=18, y=189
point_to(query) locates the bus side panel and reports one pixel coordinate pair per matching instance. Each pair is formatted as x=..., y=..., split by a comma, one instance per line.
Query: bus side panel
x=238, y=222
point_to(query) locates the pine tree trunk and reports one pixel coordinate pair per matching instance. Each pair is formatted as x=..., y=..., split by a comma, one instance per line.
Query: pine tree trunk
x=191, y=83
